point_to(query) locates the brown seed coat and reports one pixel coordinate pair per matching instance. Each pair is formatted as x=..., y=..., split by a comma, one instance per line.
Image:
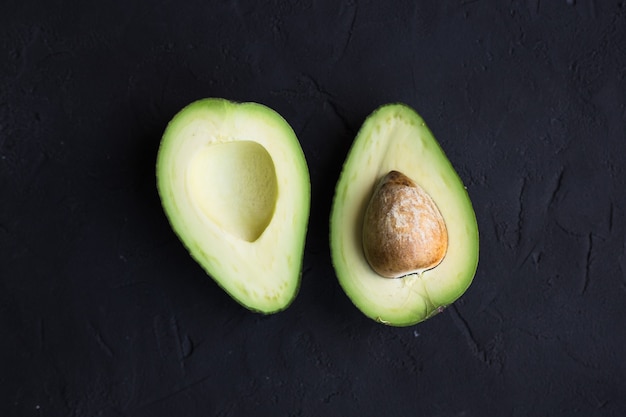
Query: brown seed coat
x=403, y=230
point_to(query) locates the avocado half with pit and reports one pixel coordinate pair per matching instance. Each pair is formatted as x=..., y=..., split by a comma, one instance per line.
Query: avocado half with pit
x=234, y=184
x=403, y=233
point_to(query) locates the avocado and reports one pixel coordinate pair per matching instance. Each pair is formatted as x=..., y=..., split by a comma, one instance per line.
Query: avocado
x=234, y=185
x=403, y=233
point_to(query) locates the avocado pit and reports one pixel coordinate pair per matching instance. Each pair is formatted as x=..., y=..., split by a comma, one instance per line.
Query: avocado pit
x=403, y=230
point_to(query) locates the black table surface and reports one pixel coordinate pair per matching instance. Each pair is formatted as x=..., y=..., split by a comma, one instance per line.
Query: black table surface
x=103, y=312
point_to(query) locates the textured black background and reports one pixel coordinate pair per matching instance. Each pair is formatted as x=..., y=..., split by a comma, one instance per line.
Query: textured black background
x=103, y=313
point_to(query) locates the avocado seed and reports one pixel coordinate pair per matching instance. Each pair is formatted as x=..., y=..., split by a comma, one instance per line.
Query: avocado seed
x=403, y=230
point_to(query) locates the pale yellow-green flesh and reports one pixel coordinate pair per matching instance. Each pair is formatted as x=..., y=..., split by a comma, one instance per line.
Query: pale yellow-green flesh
x=396, y=138
x=235, y=187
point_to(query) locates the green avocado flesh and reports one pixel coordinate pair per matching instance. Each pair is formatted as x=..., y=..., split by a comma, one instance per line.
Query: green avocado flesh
x=235, y=187
x=395, y=137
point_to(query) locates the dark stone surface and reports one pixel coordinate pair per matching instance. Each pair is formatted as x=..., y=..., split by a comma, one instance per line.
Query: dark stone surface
x=102, y=312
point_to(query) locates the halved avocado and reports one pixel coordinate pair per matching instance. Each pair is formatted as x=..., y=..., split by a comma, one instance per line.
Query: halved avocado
x=235, y=187
x=394, y=139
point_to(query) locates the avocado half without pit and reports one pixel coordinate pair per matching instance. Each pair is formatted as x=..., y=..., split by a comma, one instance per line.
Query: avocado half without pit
x=234, y=185
x=403, y=233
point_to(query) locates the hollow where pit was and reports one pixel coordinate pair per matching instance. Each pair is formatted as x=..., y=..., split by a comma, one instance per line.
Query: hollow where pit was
x=234, y=184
